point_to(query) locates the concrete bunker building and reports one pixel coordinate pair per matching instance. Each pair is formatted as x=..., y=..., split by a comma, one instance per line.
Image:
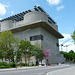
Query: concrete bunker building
x=36, y=25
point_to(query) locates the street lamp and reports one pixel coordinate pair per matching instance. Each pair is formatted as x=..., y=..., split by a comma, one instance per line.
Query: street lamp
x=15, y=58
x=16, y=54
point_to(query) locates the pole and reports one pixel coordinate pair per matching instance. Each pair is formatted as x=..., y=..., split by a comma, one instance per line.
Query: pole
x=16, y=58
x=16, y=55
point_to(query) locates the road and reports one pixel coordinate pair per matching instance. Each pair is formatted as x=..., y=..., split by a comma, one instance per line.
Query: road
x=66, y=71
x=34, y=71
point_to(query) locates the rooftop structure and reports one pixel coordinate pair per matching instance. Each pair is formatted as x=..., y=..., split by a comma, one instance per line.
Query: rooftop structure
x=20, y=16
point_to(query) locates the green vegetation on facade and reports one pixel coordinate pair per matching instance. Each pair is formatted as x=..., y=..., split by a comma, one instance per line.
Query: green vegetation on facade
x=12, y=49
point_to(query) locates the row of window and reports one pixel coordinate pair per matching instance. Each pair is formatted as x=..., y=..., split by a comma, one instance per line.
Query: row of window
x=36, y=37
x=39, y=37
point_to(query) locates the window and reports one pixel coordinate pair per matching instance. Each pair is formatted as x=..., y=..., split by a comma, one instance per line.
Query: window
x=57, y=44
x=36, y=37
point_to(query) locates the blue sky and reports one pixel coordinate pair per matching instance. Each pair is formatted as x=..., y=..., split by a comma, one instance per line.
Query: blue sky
x=62, y=11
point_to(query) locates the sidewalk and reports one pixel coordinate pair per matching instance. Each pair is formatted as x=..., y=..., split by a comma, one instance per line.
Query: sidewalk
x=19, y=68
x=67, y=71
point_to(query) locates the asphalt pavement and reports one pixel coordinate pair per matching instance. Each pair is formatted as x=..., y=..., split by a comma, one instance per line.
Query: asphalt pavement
x=65, y=71
x=38, y=70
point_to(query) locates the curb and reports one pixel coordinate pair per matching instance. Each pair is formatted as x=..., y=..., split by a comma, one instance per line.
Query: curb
x=22, y=68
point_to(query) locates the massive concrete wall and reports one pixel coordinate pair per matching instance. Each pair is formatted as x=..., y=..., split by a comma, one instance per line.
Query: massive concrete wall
x=26, y=35
x=49, y=41
x=29, y=18
x=6, y=25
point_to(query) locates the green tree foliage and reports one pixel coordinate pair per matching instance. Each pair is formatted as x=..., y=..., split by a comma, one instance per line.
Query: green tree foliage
x=69, y=56
x=66, y=55
x=25, y=47
x=73, y=36
x=19, y=55
x=72, y=55
x=38, y=53
x=7, y=43
x=1, y=55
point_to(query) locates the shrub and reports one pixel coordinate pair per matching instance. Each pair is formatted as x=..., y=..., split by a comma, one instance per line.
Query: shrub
x=3, y=64
x=12, y=65
x=24, y=64
x=32, y=64
x=2, y=67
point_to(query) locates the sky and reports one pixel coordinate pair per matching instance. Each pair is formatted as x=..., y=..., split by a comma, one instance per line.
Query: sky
x=61, y=11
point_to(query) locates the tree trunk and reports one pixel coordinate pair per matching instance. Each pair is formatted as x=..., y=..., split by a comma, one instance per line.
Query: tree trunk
x=2, y=59
x=9, y=60
x=25, y=58
x=28, y=59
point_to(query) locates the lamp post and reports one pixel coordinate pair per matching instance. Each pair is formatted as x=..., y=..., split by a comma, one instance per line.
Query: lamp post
x=16, y=54
x=16, y=58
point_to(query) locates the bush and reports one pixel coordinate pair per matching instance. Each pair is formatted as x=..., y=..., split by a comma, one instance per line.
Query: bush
x=24, y=64
x=6, y=65
x=12, y=65
x=3, y=64
x=32, y=64
x=1, y=67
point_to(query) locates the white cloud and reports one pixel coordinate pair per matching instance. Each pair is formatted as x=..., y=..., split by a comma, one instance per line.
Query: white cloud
x=60, y=7
x=3, y=9
x=0, y=18
x=12, y=12
x=67, y=42
x=67, y=36
x=54, y=2
x=6, y=5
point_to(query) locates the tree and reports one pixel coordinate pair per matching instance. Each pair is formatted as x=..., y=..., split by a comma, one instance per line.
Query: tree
x=25, y=47
x=47, y=53
x=1, y=55
x=66, y=55
x=7, y=44
x=29, y=54
x=71, y=54
x=38, y=53
x=71, y=51
x=73, y=36
x=19, y=55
